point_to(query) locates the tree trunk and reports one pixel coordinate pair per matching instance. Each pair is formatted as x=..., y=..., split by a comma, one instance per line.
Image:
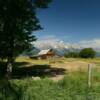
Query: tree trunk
x=9, y=67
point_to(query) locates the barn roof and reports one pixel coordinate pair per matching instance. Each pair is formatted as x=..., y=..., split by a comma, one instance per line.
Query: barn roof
x=42, y=52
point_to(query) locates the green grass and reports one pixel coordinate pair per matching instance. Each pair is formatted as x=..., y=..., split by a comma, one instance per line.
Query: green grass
x=72, y=87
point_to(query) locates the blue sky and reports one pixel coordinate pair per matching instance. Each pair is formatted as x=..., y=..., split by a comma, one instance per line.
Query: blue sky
x=70, y=21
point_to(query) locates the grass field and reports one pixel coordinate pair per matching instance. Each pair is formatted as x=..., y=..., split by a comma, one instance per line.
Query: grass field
x=70, y=64
x=70, y=75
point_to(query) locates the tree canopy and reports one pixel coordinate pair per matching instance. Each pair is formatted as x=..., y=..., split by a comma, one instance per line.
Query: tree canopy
x=87, y=53
x=18, y=20
x=72, y=55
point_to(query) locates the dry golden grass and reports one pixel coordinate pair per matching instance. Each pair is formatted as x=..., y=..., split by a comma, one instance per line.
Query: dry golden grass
x=70, y=64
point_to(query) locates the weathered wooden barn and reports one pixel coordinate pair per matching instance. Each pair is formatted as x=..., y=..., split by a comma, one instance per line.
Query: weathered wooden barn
x=44, y=54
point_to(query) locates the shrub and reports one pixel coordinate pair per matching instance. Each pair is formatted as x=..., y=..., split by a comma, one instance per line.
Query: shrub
x=87, y=53
x=72, y=55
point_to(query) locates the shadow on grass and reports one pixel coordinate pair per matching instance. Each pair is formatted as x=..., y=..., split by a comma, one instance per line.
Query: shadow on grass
x=21, y=71
x=37, y=70
x=3, y=67
x=20, y=64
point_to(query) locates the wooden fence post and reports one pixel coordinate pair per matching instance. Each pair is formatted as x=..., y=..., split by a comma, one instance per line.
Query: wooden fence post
x=89, y=75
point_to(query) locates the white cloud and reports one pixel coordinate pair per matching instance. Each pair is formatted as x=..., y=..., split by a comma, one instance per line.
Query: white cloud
x=47, y=42
x=50, y=41
x=95, y=43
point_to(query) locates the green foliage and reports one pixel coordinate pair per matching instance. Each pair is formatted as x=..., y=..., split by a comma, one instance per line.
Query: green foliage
x=87, y=53
x=72, y=55
x=2, y=69
x=42, y=3
x=18, y=19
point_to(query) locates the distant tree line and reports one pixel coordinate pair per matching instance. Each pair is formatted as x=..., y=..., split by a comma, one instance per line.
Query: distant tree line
x=84, y=53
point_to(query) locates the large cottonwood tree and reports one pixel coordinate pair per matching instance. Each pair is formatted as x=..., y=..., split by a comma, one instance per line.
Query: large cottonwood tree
x=18, y=20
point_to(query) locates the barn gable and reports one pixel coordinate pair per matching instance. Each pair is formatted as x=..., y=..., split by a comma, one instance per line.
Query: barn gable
x=43, y=52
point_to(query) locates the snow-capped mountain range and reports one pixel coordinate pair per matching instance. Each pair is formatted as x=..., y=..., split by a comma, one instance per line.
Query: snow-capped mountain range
x=61, y=47
x=46, y=44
